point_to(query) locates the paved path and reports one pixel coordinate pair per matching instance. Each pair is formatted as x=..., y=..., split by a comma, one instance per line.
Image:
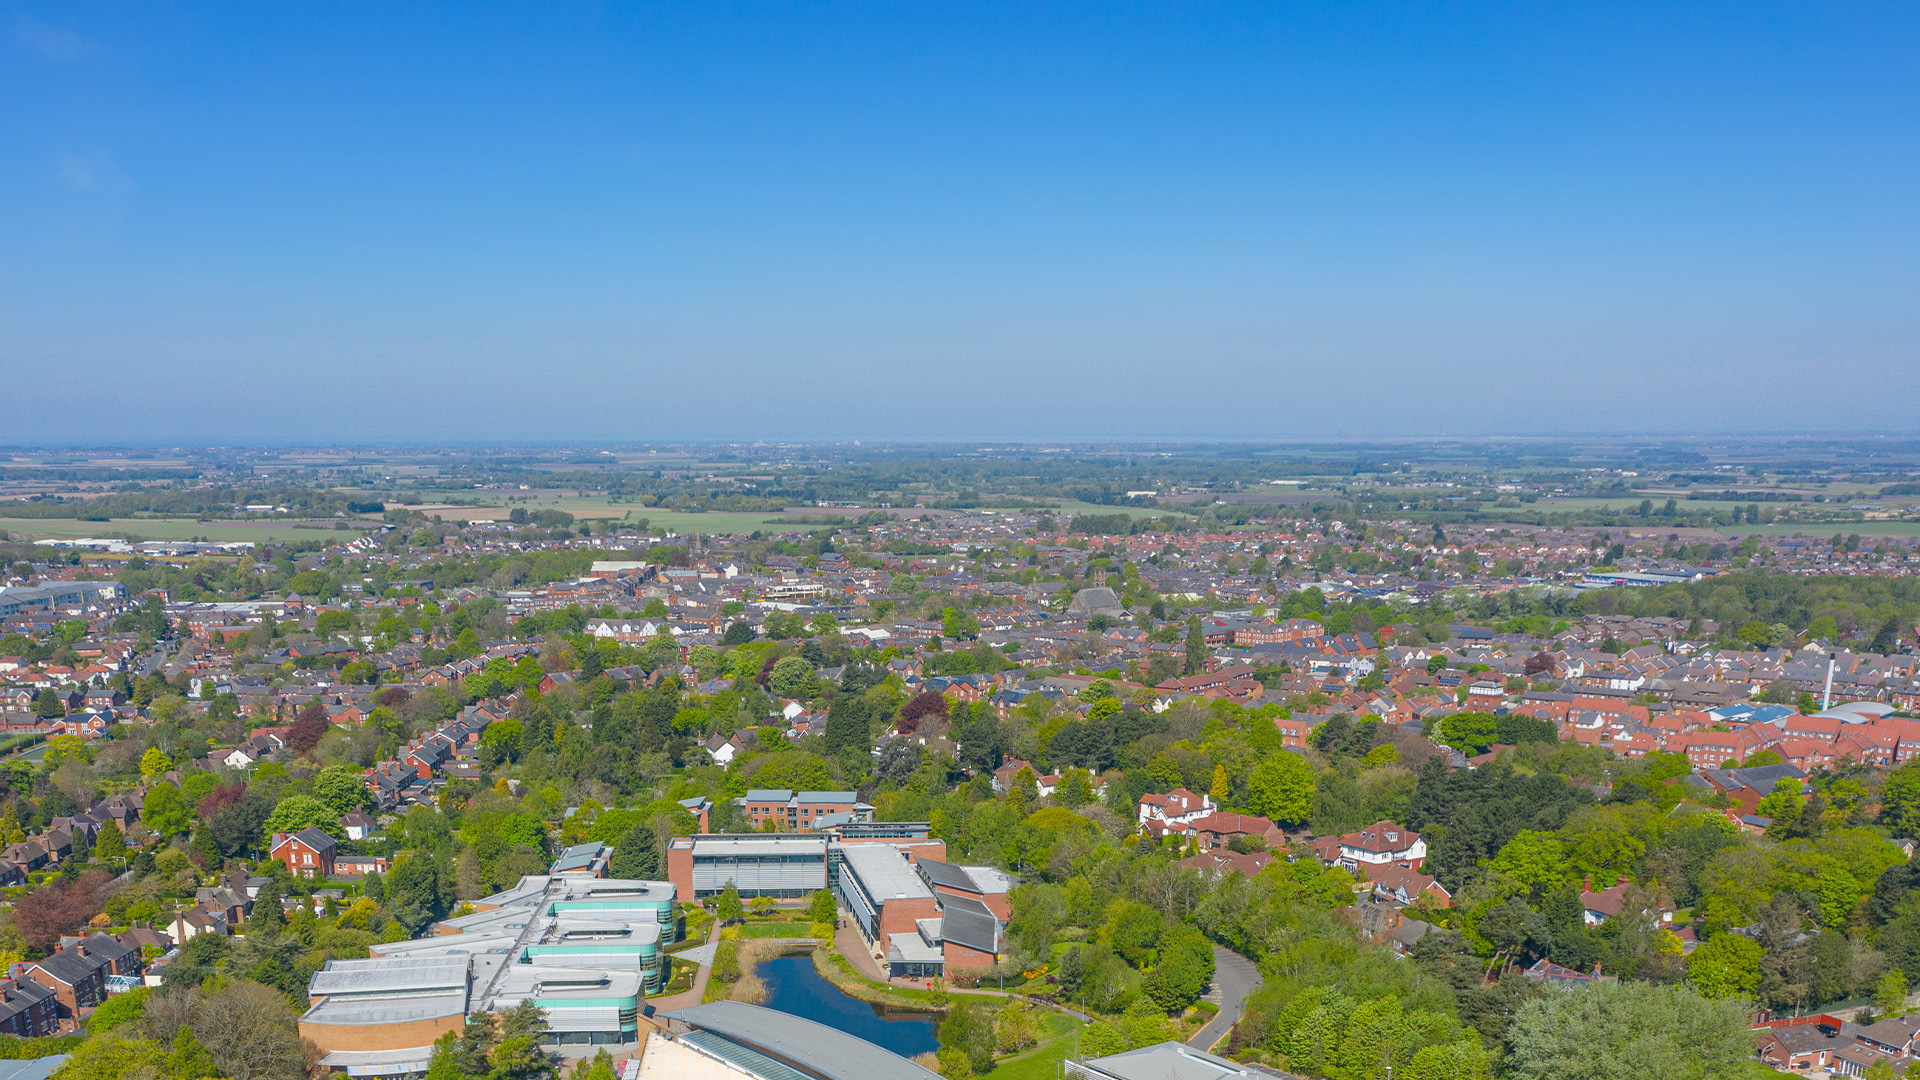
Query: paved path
x=699, y=954
x=703, y=955
x=1234, y=977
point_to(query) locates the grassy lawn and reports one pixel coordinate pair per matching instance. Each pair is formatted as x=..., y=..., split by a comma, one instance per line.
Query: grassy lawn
x=680, y=978
x=1074, y=506
x=1059, y=1036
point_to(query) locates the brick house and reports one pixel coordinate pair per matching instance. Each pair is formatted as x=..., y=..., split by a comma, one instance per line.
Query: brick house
x=307, y=853
x=78, y=981
x=27, y=1009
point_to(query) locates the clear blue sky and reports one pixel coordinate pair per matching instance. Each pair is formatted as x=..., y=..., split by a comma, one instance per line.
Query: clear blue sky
x=370, y=222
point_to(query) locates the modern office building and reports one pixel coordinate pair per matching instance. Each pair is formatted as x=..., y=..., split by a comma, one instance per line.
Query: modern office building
x=884, y=894
x=783, y=865
x=587, y=950
x=922, y=916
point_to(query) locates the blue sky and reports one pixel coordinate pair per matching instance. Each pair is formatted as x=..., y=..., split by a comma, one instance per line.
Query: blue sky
x=630, y=222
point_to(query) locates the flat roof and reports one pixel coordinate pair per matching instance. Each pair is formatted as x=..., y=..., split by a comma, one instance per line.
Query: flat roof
x=910, y=949
x=388, y=1010
x=389, y=976
x=614, y=889
x=884, y=872
x=529, y=888
x=379, y=1062
x=550, y=982
x=992, y=880
x=771, y=845
x=497, y=921
x=814, y=1048
x=443, y=945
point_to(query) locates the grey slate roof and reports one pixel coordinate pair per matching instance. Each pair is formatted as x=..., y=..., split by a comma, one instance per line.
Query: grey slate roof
x=947, y=874
x=826, y=1052
x=966, y=921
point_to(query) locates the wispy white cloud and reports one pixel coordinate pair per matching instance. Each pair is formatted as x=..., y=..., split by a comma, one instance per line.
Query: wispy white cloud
x=94, y=172
x=79, y=174
x=52, y=42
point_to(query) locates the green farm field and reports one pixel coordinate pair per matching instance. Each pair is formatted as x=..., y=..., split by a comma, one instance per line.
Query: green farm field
x=174, y=529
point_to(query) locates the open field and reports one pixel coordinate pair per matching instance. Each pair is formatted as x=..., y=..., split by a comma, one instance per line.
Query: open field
x=174, y=529
x=1621, y=505
x=1072, y=506
x=1823, y=529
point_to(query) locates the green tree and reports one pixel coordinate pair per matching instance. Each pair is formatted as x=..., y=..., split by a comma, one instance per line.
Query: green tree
x=727, y=908
x=153, y=763
x=792, y=677
x=1629, y=1029
x=1726, y=967
x=637, y=854
x=1184, y=969
x=968, y=1028
x=1890, y=994
x=111, y=843
x=848, y=725
x=415, y=893
x=1196, y=647
x=958, y=625
x=166, y=811
x=444, y=1064
x=296, y=812
x=1534, y=860
x=823, y=908
x=1887, y=638
x=1281, y=788
x=343, y=788
x=1900, y=799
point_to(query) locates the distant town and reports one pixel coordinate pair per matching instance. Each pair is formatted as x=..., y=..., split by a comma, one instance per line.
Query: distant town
x=1109, y=762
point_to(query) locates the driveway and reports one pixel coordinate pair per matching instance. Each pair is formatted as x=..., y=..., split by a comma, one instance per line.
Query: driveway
x=1234, y=977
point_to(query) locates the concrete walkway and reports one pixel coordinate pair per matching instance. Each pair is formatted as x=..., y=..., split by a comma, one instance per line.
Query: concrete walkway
x=1234, y=977
x=702, y=955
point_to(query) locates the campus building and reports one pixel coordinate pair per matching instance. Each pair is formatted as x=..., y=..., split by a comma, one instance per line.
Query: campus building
x=924, y=917
x=730, y=1040
x=801, y=811
x=587, y=950
x=784, y=866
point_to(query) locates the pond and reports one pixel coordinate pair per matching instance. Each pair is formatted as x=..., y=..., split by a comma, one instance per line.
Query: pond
x=794, y=987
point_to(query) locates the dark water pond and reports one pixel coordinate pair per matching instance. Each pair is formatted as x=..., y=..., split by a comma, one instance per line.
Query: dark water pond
x=794, y=987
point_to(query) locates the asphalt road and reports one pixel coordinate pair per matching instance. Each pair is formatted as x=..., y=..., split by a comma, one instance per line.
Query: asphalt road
x=1235, y=977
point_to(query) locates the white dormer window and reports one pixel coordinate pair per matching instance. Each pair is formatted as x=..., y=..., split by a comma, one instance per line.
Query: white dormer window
x=1393, y=838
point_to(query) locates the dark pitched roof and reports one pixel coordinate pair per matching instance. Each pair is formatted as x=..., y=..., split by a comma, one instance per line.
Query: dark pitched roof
x=966, y=921
x=69, y=966
x=313, y=838
x=940, y=873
